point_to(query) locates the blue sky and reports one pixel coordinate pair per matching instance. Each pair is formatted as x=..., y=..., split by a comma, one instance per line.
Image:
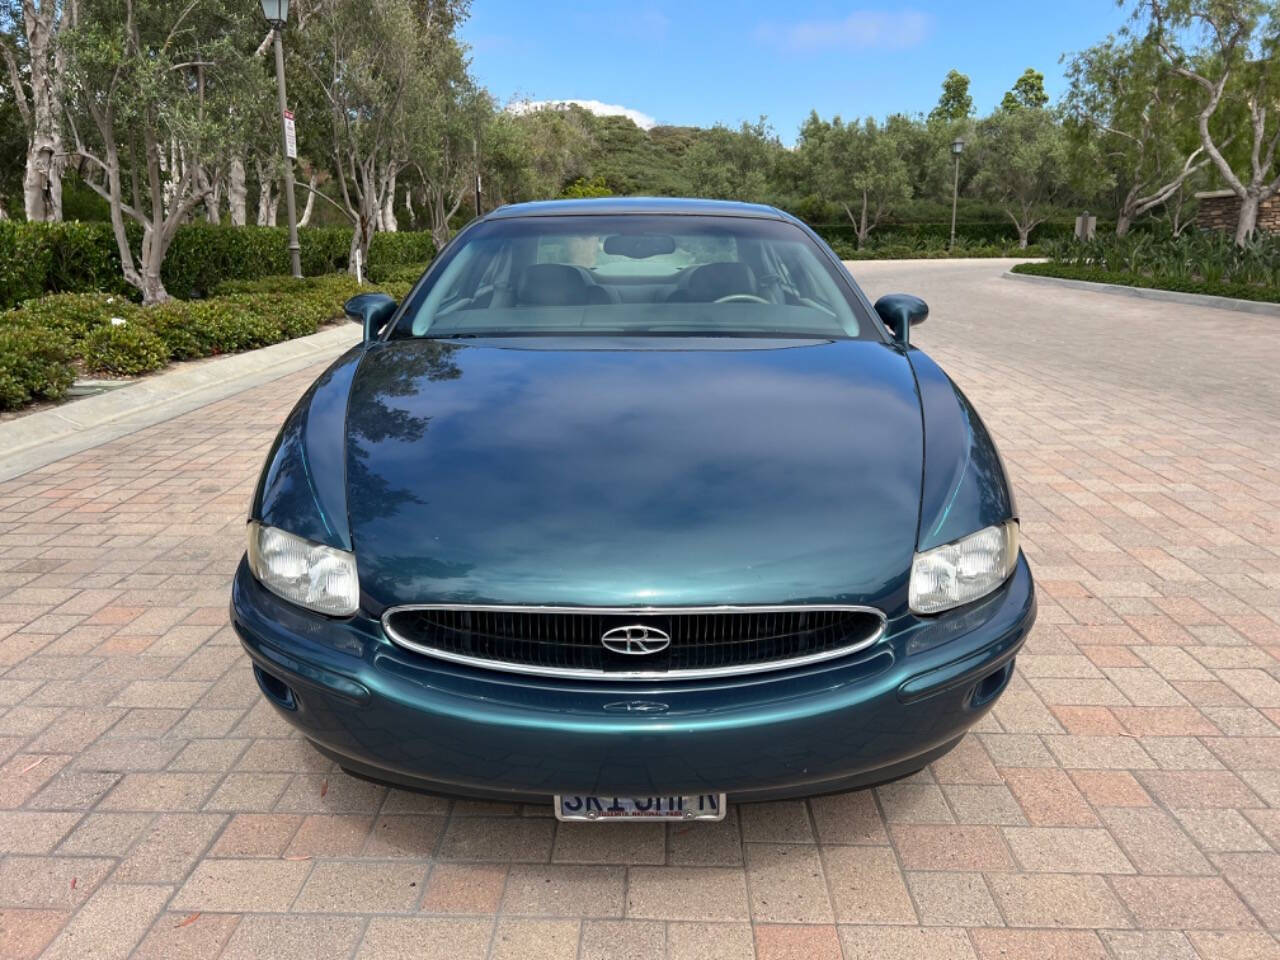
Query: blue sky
x=703, y=61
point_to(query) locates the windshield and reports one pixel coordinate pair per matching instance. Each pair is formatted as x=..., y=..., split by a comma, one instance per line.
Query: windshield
x=634, y=275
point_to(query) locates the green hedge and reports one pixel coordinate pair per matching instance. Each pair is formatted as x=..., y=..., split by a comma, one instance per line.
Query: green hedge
x=43, y=341
x=1237, y=290
x=74, y=257
x=938, y=235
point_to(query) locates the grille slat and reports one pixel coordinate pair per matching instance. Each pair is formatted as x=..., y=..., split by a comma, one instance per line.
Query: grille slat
x=566, y=640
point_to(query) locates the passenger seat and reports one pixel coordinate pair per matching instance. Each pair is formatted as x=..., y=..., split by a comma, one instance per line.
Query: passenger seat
x=559, y=285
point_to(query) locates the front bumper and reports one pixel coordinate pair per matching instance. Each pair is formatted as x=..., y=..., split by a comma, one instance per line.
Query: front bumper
x=393, y=715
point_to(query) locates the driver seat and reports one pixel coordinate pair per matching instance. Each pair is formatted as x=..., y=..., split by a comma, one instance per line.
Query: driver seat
x=712, y=281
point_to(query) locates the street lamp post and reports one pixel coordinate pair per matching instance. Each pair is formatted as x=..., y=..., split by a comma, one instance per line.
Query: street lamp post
x=957, y=148
x=277, y=14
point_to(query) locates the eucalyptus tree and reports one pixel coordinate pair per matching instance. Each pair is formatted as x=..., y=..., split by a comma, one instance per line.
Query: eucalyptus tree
x=35, y=67
x=1230, y=51
x=1022, y=165
x=373, y=63
x=1028, y=91
x=149, y=90
x=1133, y=113
x=955, y=102
x=859, y=165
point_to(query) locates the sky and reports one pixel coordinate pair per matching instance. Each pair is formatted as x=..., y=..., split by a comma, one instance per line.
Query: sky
x=700, y=62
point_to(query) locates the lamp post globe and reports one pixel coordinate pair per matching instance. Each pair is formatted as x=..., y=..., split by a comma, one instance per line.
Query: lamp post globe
x=957, y=146
x=276, y=12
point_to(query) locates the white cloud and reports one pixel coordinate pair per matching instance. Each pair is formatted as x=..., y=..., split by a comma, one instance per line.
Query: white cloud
x=860, y=30
x=600, y=109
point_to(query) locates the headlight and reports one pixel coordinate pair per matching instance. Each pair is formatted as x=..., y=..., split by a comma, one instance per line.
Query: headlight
x=311, y=575
x=960, y=572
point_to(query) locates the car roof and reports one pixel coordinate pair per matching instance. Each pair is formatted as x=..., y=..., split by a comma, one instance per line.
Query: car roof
x=613, y=206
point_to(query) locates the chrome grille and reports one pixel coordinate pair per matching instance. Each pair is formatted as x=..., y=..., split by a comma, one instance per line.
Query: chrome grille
x=566, y=641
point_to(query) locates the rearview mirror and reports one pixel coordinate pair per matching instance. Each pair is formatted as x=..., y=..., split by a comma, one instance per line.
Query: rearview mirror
x=373, y=310
x=639, y=246
x=900, y=312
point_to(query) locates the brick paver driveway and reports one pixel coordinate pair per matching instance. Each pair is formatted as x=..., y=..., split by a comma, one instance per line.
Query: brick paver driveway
x=1122, y=801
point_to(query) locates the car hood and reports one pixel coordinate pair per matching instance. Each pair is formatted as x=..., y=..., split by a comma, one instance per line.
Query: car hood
x=630, y=472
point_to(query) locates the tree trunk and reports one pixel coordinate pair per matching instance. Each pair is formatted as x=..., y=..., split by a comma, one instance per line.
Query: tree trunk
x=311, y=203
x=862, y=225
x=273, y=209
x=1024, y=236
x=42, y=182
x=265, y=185
x=361, y=234
x=212, y=200
x=1123, y=222
x=42, y=179
x=237, y=192
x=389, y=223
x=1248, y=221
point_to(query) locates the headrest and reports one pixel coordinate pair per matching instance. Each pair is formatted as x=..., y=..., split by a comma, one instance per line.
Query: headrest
x=552, y=285
x=711, y=281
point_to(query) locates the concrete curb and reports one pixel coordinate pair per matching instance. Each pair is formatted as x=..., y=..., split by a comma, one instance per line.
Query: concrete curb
x=1166, y=296
x=41, y=438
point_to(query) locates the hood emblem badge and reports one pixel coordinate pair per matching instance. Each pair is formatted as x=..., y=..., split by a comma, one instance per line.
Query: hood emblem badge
x=636, y=706
x=635, y=640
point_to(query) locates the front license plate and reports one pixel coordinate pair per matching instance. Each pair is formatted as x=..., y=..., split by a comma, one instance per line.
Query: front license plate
x=582, y=806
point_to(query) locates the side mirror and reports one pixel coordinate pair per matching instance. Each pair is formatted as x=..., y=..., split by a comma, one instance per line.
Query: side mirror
x=373, y=310
x=900, y=312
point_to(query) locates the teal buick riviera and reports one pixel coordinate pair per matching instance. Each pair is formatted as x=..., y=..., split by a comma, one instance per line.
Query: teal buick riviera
x=633, y=506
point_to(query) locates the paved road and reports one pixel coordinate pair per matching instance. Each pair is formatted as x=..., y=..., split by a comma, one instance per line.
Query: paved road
x=1122, y=801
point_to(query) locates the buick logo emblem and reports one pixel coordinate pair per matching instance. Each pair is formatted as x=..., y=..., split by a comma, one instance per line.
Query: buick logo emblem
x=635, y=640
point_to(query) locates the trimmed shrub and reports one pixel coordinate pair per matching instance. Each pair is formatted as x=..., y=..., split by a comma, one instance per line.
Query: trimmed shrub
x=77, y=314
x=388, y=251
x=34, y=364
x=74, y=257
x=125, y=350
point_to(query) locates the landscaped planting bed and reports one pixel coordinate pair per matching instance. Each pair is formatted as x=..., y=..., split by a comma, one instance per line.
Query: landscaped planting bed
x=1204, y=263
x=48, y=341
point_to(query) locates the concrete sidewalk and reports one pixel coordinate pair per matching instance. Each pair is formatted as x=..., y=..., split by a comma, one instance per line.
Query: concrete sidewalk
x=39, y=438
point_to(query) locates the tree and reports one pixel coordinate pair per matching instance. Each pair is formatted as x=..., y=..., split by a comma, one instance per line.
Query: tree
x=149, y=86
x=373, y=63
x=37, y=89
x=955, y=103
x=1236, y=66
x=1022, y=165
x=1028, y=91
x=859, y=165
x=727, y=164
x=1126, y=103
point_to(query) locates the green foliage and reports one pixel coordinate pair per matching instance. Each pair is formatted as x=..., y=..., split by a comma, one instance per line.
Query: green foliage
x=124, y=349
x=582, y=187
x=42, y=341
x=1236, y=291
x=76, y=315
x=1022, y=164
x=39, y=258
x=1028, y=92
x=35, y=364
x=860, y=164
x=1208, y=262
x=390, y=251
x=955, y=103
